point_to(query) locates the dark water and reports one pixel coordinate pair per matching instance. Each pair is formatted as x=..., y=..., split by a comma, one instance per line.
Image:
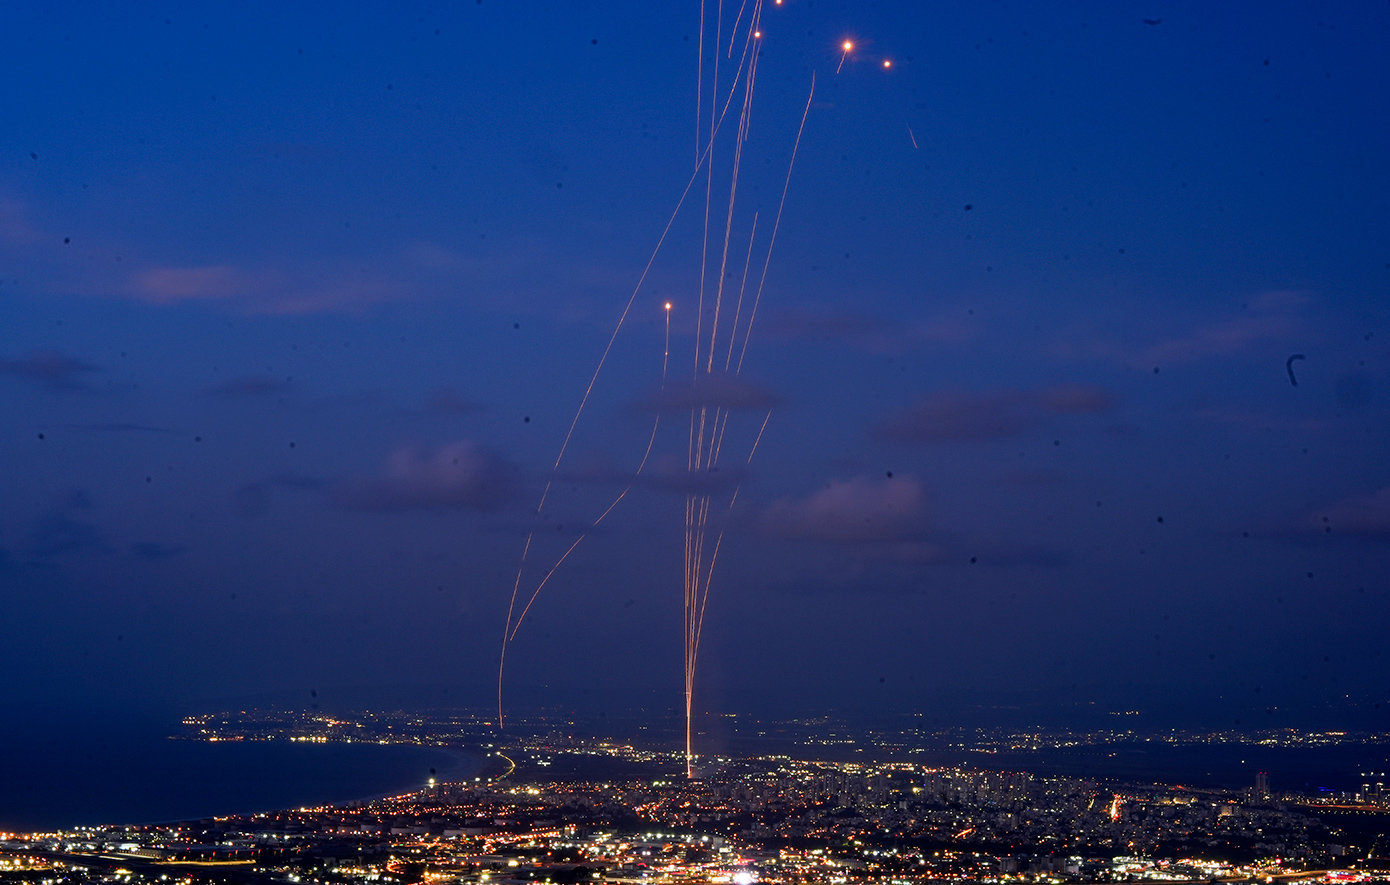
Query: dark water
x=1307, y=769
x=61, y=775
x=1310, y=770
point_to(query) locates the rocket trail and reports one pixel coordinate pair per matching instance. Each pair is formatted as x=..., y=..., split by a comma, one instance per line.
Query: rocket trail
x=709, y=422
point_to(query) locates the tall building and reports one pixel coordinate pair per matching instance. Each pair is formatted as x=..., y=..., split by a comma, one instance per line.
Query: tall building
x=1262, y=785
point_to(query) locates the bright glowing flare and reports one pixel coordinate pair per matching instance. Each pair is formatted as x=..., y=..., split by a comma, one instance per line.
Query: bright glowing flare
x=847, y=46
x=887, y=63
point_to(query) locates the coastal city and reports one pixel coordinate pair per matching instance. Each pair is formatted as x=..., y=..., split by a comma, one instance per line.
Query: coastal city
x=694, y=442
x=550, y=805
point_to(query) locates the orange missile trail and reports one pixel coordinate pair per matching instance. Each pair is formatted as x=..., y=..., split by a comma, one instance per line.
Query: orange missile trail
x=733, y=32
x=510, y=629
x=706, y=429
x=513, y=623
x=709, y=422
x=847, y=46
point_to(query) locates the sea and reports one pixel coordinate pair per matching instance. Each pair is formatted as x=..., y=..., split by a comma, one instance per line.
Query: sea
x=66, y=773
x=1310, y=770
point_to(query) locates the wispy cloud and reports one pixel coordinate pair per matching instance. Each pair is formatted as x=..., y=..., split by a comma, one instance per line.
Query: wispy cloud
x=58, y=535
x=1263, y=320
x=169, y=285
x=50, y=369
x=1268, y=317
x=325, y=288
x=899, y=567
x=60, y=532
x=666, y=474
x=449, y=401
x=852, y=511
x=1366, y=515
x=948, y=416
x=866, y=332
x=15, y=229
x=460, y=475
x=710, y=391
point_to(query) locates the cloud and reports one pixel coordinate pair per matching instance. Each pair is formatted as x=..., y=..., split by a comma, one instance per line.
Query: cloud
x=667, y=474
x=800, y=323
x=313, y=289
x=57, y=535
x=710, y=391
x=1367, y=515
x=460, y=475
x=1076, y=399
x=672, y=477
x=899, y=567
x=870, y=333
x=333, y=293
x=248, y=387
x=950, y=416
x=170, y=285
x=252, y=500
x=1271, y=316
x=15, y=228
x=435, y=257
x=451, y=402
x=49, y=368
x=852, y=511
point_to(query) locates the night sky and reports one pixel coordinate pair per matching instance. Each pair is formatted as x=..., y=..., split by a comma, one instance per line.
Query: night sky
x=297, y=303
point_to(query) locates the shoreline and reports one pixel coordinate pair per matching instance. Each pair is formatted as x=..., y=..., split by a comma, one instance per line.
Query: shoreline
x=460, y=756
x=83, y=780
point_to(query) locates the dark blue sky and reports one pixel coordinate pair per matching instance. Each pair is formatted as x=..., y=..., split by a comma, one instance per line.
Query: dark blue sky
x=297, y=303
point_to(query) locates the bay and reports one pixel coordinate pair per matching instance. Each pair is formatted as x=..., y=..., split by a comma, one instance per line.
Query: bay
x=56, y=775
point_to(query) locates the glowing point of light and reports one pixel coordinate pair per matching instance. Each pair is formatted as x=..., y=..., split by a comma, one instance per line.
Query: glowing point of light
x=848, y=46
x=757, y=33
x=668, y=305
x=887, y=63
